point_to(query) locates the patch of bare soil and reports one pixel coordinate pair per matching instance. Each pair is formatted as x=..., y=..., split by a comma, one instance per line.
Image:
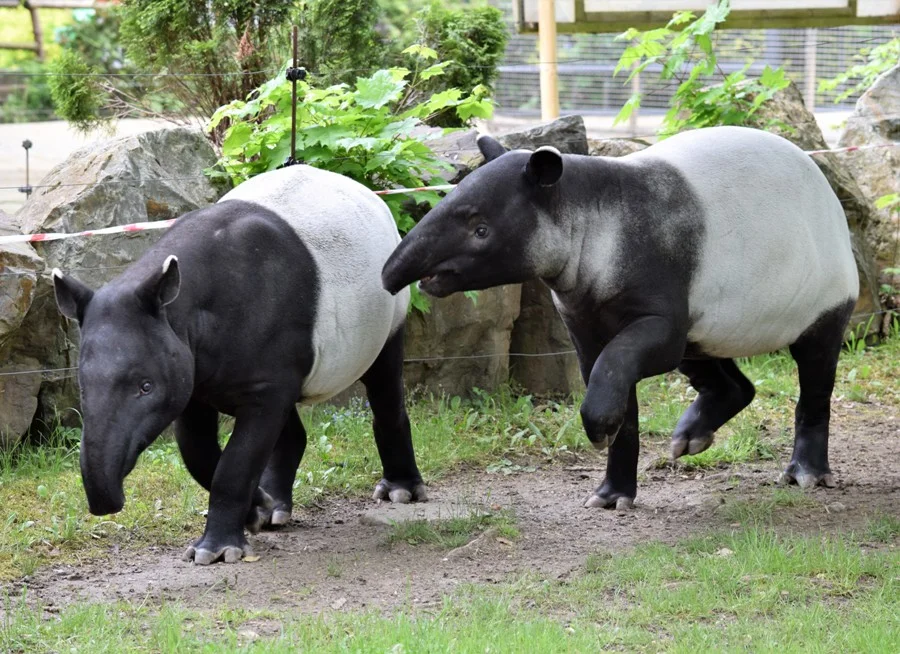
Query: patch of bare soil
x=328, y=559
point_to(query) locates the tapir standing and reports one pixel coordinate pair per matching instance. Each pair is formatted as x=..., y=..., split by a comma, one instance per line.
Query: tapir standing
x=713, y=244
x=268, y=298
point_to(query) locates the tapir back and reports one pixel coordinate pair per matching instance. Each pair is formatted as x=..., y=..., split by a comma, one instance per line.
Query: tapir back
x=350, y=233
x=775, y=252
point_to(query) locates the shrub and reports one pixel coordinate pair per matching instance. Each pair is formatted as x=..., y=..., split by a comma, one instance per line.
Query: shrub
x=686, y=56
x=473, y=39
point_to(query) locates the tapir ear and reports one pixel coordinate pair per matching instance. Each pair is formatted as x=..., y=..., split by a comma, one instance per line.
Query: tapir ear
x=72, y=297
x=545, y=166
x=490, y=147
x=161, y=288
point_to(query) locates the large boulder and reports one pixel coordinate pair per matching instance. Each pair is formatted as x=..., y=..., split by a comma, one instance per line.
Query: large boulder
x=876, y=121
x=147, y=177
x=460, y=344
x=787, y=116
x=20, y=343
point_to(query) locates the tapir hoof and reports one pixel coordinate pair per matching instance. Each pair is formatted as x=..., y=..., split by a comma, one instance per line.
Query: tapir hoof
x=805, y=477
x=203, y=556
x=690, y=445
x=620, y=503
x=400, y=493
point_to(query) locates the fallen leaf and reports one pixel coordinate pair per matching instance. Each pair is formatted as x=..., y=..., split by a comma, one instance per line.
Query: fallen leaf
x=724, y=552
x=338, y=603
x=251, y=559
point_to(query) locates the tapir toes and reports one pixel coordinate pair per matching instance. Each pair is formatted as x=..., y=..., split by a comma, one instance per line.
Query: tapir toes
x=203, y=556
x=690, y=444
x=805, y=477
x=400, y=493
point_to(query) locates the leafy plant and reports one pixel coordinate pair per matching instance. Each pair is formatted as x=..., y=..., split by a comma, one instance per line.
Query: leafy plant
x=874, y=62
x=367, y=131
x=684, y=50
x=471, y=40
x=891, y=202
x=80, y=100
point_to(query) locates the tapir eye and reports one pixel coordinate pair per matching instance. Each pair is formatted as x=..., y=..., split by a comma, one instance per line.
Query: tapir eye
x=481, y=231
x=146, y=387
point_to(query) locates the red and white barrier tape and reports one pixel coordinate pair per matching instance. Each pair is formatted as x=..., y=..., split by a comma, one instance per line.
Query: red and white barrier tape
x=164, y=224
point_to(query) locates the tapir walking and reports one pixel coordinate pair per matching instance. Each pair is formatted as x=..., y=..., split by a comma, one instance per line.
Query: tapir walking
x=268, y=298
x=713, y=244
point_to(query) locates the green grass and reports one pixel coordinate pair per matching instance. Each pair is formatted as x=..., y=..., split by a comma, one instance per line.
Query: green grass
x=47, y=519
x=762, y=510
x=748, y=591
x=453, y=532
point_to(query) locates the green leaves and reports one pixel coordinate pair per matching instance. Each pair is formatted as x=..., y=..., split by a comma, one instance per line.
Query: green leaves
x=378, y=90
x=688, y=57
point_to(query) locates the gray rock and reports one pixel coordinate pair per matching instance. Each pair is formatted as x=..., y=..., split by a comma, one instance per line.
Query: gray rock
x=147, y=177
x=787, y=116
x=464, y=345
x=615, y=147
x=566, y=134
x=876, y=121
x=20, y=272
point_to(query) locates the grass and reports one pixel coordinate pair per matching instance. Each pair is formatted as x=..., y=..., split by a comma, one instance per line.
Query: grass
x=48, y=521
x=763, y=510
x=751, y=591
x=453, y=532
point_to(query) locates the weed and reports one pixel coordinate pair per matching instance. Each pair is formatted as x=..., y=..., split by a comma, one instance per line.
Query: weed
x=453, y=532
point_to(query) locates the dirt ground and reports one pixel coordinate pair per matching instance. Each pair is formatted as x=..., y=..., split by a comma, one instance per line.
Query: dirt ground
x=329, y=559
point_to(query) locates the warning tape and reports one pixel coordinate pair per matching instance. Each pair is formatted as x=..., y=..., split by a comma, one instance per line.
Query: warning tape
x=165, y=224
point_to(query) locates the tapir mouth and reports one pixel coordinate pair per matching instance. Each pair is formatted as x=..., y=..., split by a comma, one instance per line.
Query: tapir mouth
x=440, y=284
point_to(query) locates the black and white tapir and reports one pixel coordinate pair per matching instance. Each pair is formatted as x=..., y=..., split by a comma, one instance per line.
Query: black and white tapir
x=713, y=244
x=268, y=298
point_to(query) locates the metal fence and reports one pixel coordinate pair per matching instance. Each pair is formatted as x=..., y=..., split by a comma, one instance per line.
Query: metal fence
x=587, y=61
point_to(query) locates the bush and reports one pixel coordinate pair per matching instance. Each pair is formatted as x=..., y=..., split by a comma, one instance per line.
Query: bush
x=874, y=62
x=684, y=49
x=82, y=99
x=367, y=131
x=473, y=39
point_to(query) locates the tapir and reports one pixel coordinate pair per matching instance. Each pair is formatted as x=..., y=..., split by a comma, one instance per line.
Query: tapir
x=713, y=244
x=268, y=298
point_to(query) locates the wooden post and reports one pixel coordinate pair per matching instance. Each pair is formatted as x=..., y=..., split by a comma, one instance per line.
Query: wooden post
x=809, y=87
x=633, y=118
x=38, y=32
x=548, y=54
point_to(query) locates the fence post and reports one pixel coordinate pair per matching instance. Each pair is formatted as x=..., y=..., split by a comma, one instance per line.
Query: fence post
x=548, y=54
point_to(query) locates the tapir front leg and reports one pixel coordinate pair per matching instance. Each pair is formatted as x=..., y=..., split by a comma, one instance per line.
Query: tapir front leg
x=648, y=346
x=256, y=430
x=197, y=435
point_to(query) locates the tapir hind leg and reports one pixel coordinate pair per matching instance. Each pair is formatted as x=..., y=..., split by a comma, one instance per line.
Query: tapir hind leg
x=278, y=479
x=723, y=392
x=816, y=353
x=384, y=387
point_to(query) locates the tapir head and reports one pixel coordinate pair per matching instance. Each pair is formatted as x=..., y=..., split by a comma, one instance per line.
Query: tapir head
x=497, y=227
x=136, y=375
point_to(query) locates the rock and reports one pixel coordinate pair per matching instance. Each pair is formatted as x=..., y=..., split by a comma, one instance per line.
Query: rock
x=147, y=177
x=787, y=116
x=539, y=330
x=615, y=147
x=876, y=121
x=478, y=334
x=20, y=348
x=566, y=134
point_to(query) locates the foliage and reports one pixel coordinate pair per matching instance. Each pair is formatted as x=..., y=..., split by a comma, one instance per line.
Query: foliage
x=338, y=39
x=363, y=131
x=891, y=202
x=94, y=35
x=685, y=45
x=201, y=54
x=874, y=62
x=473, y=40
x=75, y=101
